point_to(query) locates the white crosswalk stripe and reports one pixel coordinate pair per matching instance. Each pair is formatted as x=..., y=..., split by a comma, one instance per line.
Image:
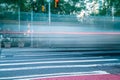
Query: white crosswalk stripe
x=65, y=66
x=29, y=77
x=68, y=61
x=52, y=59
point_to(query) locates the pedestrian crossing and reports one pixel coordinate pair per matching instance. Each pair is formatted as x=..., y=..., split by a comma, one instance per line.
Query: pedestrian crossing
x=30, y=68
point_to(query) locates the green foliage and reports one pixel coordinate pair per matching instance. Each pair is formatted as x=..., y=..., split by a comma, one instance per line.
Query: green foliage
x=64, y=6
x=113, y=3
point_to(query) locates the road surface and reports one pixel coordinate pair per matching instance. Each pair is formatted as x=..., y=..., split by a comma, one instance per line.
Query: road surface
x=37, y=63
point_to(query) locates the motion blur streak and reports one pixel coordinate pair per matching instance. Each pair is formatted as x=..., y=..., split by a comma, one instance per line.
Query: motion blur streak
x=77, y=33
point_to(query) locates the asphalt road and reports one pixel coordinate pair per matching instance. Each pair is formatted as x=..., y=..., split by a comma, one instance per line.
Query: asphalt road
x=32, y=63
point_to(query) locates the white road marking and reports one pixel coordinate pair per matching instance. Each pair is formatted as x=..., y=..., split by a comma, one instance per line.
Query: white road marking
x=52, y=54
x=61, y=66
x=44, y=67
x=47, y=62
x=34, y=55
x=52, y=59
x=54, y=75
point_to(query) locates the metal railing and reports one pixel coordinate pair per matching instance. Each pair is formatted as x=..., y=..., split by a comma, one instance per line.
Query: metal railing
x=26, y=16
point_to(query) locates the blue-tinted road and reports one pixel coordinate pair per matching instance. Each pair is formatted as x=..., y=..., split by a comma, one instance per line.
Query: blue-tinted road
x=31, y=63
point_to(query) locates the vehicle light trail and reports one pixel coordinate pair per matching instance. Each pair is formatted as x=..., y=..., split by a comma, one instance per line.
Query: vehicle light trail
x=66, y=33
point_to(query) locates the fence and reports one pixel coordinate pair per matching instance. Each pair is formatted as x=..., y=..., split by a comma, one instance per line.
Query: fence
x=26, y=16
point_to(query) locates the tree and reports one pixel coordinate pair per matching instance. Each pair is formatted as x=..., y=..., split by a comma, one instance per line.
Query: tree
x=107, y=7
x=8, y=5
x=64, y=6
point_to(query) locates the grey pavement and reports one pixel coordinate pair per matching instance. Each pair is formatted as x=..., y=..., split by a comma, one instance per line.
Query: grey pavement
x=32, y=63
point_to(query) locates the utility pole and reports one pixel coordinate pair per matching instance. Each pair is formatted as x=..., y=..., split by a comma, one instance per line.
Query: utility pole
x=49, y=11
x=31, y=26
x=19, y=16
x=113, y=10
x=0, y=45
